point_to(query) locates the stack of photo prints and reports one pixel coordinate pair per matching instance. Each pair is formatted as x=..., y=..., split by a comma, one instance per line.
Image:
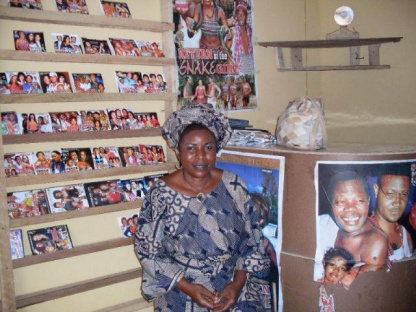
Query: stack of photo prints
x=108, y=8
x=65, y=160
x=32, y=203
x=13, y=123
x=31, y=82
x=34, y=41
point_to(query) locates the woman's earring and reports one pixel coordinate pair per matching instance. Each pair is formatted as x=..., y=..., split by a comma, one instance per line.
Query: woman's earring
x=178, y=165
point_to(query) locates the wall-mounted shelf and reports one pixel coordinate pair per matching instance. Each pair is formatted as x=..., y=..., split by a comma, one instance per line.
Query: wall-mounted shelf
x=49, y=17
x=12, y=55
x=296, y=50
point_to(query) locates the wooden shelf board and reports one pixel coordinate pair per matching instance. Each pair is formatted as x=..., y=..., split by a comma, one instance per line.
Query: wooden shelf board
x=84, y=175
x=336, y=67
x=12, y=55
x=50, y=17
x=74, y=252
x=79, y=136
x=75, y=288
x=130, y=306
x=310, y=44
x=84, y=97
x=53, y=217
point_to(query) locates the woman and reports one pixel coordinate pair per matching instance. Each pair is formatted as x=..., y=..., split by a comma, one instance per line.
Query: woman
x=21, y=42
x=200, y=93
x=196, y=240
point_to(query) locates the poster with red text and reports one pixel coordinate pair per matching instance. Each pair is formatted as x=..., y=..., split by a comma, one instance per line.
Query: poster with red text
x=214, y=51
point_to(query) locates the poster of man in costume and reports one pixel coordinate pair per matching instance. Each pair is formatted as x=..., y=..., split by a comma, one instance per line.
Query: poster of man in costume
x=214, y=51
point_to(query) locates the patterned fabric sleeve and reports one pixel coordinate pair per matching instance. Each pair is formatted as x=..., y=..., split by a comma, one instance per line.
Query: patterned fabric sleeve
x=252, y=255
x=160, y=272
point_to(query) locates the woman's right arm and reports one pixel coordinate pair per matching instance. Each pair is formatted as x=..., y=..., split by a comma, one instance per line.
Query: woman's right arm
x=160, y=272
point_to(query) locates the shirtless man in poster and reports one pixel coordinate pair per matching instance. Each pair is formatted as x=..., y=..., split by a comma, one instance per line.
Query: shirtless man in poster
x=349, y=198
x=214, y=93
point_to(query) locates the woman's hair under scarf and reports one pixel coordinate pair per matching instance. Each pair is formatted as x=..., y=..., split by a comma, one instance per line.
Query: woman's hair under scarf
x=201, y=114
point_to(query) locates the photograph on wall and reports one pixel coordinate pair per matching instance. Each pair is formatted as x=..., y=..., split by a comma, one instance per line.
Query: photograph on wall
x=85, y=159
x=104, y=193
x=365, y=218
x=55, y=82
x=72, y=6
x=10, y=124
x=264, y=178
x=16, y=244
x=88, y=83
x=147, y=120
x=67, y=198
x=128, y=224
x=26, y=4
x=26, y=204
x=130, y=156
x=154, y=82
x=19, y=164
x=151, y=154
x=29, y=41
x=23, y=82
x=119, y=117
x=137, y=187
x=150, y=49
x=43, y=160
x=66, y=43
x=35, y=123
x=106, y=157
x=94, y=120
x=130, y=82
x=124, y=47
x=214, y=52
x=115, y=9
x=68, y=121
x=96, y=46
x=49, y=239
x=70, y=158
x=130, y=189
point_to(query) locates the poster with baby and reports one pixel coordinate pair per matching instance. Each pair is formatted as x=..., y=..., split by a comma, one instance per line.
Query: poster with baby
x=214, y=51
x=365, y=218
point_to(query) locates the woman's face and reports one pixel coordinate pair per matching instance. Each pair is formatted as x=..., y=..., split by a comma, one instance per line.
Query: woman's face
x=22, y=35
x=335, y=269
x=197, y=152
x=31, y=37
x=37, y=37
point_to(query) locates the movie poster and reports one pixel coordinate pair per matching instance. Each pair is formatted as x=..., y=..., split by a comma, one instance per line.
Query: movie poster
x=263, y=175
x=214, y=51
x=366, y=219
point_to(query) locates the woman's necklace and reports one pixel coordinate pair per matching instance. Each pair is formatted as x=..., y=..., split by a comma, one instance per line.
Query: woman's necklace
x=200, y=195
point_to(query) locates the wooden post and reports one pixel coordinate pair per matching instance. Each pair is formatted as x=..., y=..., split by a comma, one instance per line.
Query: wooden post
x=166, y=13
x=8, y=301
x=374, y=54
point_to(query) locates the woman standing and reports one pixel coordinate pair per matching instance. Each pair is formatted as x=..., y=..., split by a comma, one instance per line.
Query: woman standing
x=197, y=238
x=200, y=93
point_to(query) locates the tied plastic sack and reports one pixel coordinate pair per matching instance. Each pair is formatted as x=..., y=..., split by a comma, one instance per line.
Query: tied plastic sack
x=302, y=125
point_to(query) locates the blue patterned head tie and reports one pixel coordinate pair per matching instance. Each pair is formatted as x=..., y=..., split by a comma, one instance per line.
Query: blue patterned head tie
x=194, y=113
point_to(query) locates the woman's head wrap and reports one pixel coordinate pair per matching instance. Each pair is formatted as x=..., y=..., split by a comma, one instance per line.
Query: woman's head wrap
x=194, y=113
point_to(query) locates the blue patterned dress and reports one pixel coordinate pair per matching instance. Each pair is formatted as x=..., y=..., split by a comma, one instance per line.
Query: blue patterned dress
x=180, y=236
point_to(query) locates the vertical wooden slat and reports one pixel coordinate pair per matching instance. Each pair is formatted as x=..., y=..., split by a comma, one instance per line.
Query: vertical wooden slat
x=296, y=57
x=279, y=57
x=166, y=13
x=8, y=301
x=374, y=54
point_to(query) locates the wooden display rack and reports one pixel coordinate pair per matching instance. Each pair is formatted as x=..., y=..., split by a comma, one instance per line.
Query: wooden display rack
x=296, y=53
x=9, y=301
